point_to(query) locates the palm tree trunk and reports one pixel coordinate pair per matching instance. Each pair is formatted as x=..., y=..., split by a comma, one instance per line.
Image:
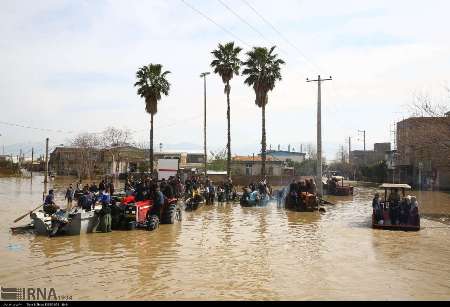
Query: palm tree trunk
x=151, y=144
x=229, y=135
x=263, y=142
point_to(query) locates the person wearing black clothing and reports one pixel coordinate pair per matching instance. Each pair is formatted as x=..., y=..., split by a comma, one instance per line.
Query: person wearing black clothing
x=50, y=206
x=102, y=186
x=294, y=187
x=140, y=191
x=105, y=217
x=212, y=193
x=168, y=191
x=85, y=201
x=111, y=188
x=93, y=188
x=188, y=187
x=163, y=184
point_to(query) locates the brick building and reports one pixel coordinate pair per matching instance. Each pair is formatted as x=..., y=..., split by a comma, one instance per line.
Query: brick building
x=423, y=152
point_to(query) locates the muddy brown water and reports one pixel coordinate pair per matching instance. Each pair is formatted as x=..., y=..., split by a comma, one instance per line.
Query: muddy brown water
x=226, y=252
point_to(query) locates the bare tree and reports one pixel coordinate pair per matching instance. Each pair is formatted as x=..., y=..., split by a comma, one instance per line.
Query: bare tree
x=88, y=145
x=114, y=138
x=424, y=105
x=425, y=136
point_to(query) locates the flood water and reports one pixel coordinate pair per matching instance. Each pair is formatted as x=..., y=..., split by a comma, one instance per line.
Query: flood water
x=226, y=252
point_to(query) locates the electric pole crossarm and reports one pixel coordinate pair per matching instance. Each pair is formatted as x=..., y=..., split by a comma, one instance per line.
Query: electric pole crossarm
x=328, y=79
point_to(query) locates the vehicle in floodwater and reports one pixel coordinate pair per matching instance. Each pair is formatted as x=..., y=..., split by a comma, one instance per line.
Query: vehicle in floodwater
x=301, y=202
x=334, y=188
x=126, y=213
x=131, y=214
x=194, y=201
x=254, y=198
x=75, y=222
x=413, y=223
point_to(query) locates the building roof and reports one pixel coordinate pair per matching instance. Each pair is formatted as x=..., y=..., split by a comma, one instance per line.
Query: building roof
x=254, y=159
x=285, y=153
x=395, y=186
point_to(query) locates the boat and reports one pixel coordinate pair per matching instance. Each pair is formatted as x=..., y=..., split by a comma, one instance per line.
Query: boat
x=336, y=189
x=386, y=222
x=75, y=222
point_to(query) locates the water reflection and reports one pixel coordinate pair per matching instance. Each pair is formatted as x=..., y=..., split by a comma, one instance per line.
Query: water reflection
x=229, y=252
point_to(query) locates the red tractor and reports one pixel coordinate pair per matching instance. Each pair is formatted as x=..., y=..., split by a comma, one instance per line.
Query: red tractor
x=139, y=213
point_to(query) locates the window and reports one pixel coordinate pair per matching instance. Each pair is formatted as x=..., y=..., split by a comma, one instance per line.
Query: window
x=248, y=169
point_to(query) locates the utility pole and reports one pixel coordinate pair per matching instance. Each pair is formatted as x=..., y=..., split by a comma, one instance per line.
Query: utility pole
x=20, y=158
x=319, y=133
x=46, y=166
x=203, y=75
x=364, y=138
x=32, y=159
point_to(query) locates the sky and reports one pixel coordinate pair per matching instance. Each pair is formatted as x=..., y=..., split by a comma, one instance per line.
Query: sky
x=69, y=67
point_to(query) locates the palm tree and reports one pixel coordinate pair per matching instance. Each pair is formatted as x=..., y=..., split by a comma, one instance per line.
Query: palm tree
x=262, y=70
x=151, y=84
x=226, y=63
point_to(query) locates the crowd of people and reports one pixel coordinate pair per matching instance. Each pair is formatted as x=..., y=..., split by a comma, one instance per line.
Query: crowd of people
x=87, y=197
x=296, y=191
x=400, y=211
x=262, y=190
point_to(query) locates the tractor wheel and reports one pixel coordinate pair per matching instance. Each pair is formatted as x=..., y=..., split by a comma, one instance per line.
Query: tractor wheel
x=152, y=222
x=168, y=215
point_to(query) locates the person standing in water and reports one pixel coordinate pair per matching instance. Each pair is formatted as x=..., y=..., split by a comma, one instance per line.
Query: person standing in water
x=69, y=196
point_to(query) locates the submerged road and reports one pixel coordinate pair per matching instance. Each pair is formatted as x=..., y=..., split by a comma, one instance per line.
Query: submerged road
x=229, y=252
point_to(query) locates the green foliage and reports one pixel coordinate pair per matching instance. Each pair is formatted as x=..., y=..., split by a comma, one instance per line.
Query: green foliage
x=151, y=83
x=375, y=172
x=143, y=167
x=226, y=62
x=218, y=161
x=304, y=168
x=262, y=71
x=218, y=165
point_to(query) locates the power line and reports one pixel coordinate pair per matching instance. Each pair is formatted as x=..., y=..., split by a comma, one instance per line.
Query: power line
x=35, y=128
x=210, y=19
x=249, y=25
x=242, y=19
x=281, y=35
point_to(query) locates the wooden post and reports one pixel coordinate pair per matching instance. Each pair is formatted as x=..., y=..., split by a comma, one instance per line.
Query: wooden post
x=46, y=166
x=32, y=159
